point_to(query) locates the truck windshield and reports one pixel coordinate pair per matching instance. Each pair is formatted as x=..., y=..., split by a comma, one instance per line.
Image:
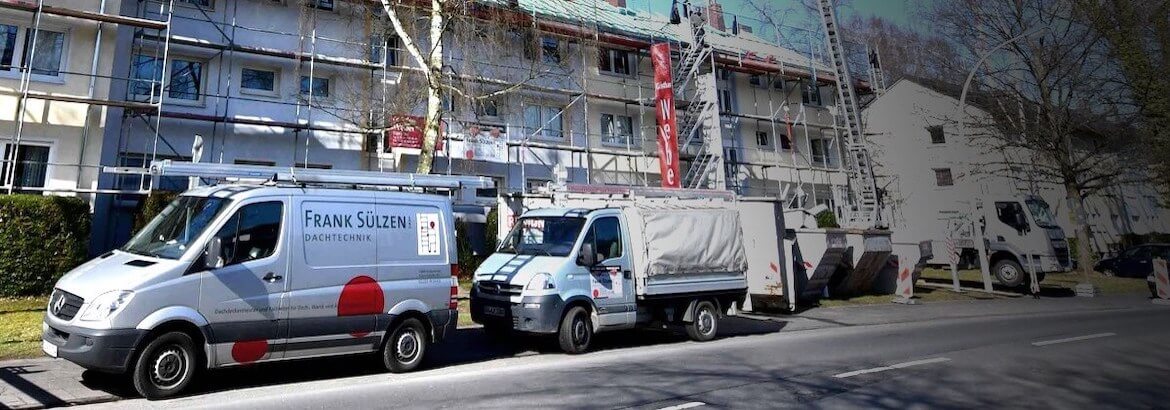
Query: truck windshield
x=1041, y=213
x=169, y=234
x=544, y=236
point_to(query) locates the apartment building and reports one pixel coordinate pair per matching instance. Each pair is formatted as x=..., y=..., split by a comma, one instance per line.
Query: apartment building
x=325, y=84
x=55, y=76
x=932, y=172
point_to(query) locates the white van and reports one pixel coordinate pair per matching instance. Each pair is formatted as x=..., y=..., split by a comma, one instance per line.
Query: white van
x=239, y=274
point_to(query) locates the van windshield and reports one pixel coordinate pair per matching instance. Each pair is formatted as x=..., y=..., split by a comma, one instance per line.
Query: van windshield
x=1041, y=213
x=544, y=236
x=169, y=234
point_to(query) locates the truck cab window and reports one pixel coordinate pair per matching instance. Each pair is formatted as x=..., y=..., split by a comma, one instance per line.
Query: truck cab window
x=252, y=233
x=1012, y=214
x=607, y=235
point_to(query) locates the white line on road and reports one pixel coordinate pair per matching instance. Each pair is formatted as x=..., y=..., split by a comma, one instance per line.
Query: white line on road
x=692, y=404
x=891, y=367
x=1073, y=339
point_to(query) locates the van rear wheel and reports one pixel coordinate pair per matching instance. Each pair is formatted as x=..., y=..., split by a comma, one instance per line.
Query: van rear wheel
x=166, y=366
x=705, y=324
x=576, y=331
x=404, y=349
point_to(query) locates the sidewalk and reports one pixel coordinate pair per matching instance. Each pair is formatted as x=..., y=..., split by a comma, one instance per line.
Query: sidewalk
x=45, y=382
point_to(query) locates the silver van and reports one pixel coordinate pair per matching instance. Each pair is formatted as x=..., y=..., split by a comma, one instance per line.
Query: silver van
x=239, y=274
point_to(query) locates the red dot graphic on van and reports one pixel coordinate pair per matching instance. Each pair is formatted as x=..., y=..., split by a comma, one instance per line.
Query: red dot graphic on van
x=248, y=351
x=361, y=296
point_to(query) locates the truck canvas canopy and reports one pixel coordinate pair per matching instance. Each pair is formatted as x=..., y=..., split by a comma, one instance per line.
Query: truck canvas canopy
x=689, y=241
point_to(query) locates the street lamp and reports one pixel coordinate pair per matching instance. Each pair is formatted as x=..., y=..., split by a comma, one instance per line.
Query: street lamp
x=977, y=234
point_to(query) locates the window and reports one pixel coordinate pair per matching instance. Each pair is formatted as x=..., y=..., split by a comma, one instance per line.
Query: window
x=785, y=143
x=617, y=129
x=778, y=83
x=140, y=160
x=32, y=166
x=203, y=4
x=46, y=54
x=820, y=152
x=486, y=108
x=723, y=74
x=252, y=233
x=257, y=80
x=543, y=122
x=607, y=238
x=320, y=4
x=810, y=93
x=762, y=139
x=725, y=100
x=7, y=46
x=936, y=135
x=943, y=177
x=387, y=44
x=550, y=50
x=756, y=80
x=186, y=81
x=254, y=162
x=317, y=87
x=614, y=61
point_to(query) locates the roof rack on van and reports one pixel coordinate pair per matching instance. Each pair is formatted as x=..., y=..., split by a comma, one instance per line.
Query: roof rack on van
x=463, y=187
x=645, y=192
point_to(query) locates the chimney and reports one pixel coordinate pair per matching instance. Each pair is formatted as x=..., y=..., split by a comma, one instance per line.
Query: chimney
x=715, y=16
x=617, y=3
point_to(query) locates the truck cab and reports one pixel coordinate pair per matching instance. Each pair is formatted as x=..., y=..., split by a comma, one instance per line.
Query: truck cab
x=1021, y=233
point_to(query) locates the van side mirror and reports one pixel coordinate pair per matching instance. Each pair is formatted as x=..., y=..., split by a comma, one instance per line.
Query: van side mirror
x=586, y=257
x=212, y=255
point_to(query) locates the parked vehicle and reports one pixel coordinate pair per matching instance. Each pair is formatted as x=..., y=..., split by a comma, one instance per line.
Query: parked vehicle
x=1020, y=234
x=571, y=270
x=238, y=274
x=1135, y=262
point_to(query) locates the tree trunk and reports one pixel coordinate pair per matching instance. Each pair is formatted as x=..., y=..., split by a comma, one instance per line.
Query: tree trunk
x=1083, y=234
x=426, y=157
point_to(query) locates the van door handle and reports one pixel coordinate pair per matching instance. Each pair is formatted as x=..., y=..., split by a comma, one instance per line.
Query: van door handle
x=627, y=274
x=272, y=277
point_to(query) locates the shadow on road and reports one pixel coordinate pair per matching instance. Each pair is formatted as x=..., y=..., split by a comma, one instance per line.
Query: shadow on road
x=466, y=346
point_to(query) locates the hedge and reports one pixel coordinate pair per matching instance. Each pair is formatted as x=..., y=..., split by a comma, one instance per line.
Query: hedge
x=41, y=238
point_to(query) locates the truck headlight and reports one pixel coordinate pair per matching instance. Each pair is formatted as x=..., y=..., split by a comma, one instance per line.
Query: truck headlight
x=105, y=305
x=541, y=281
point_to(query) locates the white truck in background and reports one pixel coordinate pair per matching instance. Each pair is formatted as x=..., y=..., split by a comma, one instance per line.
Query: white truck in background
x=1019, y=234
x=607, y=258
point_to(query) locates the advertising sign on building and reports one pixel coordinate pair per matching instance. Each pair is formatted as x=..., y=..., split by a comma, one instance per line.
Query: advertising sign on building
x=480, y=143
x=406, y=131
x=666, y=115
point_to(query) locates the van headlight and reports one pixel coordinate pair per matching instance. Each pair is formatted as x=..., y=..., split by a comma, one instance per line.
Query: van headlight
x=541, y=281
x=105, y=305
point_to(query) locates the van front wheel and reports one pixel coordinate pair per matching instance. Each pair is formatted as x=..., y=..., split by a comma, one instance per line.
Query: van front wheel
x=166, y=366
x=406, y=346
x=576, y=331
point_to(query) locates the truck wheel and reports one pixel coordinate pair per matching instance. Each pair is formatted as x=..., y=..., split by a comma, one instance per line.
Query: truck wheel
x=406, y=346
x=576, y=331
x=705, y=323
x=166, y=366
x=1009, y=273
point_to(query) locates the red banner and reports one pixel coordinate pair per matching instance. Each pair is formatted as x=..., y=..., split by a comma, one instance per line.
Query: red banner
x=666, y=115
x=406, y=131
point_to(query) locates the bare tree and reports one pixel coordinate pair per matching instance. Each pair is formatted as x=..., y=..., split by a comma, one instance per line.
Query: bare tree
x=1042, y=92
x=422, y=29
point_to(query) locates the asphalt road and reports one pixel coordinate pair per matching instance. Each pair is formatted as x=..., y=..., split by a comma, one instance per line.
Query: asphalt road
x=1113, y=358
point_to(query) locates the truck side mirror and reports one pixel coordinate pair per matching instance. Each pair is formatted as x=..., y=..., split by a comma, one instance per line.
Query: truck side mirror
x=212, y=255
x=586, y=257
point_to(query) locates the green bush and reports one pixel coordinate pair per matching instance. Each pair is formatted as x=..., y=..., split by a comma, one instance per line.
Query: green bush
x=43, y=237
x=151, y=206
x=827, y=219
x=468, y=260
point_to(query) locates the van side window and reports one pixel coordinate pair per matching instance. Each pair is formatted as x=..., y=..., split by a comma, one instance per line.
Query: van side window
x=252, y=233
x=608, y=238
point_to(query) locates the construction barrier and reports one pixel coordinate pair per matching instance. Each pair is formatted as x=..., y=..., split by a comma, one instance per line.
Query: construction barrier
x=905, y=290
x=1161, y=282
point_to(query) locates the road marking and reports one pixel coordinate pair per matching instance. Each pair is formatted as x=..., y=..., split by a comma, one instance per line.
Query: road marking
x=1073, y=339
x=891, y=367
x=692, y=404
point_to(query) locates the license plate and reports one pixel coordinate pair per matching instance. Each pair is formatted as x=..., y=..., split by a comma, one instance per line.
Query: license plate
x=49, y=348
x=493, y=311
